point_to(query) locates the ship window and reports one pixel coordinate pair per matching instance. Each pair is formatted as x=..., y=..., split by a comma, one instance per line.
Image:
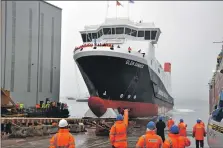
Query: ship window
x=127, y=31
x=84, y=37
x=158, y=70
x=94, y=35
x=140, y=33
x=133, y=33
x=153, y=35
x=89, y=38
x=100, y=33
x=120, y=30
x=217, y=115
x=107, y=30
x=113, y=30
x=147, y=35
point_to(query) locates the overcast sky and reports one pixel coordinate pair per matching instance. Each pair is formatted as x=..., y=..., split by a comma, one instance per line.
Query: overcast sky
x=188, y=30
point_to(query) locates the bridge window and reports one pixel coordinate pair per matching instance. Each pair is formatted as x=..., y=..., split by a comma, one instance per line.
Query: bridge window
x=158, y=70
x=141, y=33
x=217, y=115
x=120, y=30
x=134, y=32
x=89, y=38
x=147, y=35
x=107, y=30
x=127, y=31
x=84, y=37
x=153, y=35
x=94, y=36
x=100, y=33
x=113, y=30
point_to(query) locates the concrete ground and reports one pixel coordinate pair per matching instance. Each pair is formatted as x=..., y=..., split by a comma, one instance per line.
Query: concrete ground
x=83, y=140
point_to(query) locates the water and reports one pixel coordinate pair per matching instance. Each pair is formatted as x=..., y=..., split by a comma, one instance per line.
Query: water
x=190, y=110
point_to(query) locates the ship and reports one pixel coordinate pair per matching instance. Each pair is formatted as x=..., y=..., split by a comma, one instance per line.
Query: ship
x=215, y=122
x=118, y=64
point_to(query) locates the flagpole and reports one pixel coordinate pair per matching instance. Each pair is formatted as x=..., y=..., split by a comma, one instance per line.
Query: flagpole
x=116, y=10
x=107, y=10
x=128, y=10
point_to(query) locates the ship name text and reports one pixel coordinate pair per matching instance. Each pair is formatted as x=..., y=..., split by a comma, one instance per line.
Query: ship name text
x=136, y=64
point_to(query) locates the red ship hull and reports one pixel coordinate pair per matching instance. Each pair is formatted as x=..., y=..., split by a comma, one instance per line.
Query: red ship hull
x=137, y=109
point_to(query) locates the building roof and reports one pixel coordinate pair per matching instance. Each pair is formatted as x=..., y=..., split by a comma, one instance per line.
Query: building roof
x=51, y=4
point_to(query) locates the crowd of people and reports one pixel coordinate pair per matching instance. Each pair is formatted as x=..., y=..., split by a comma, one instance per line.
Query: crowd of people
x=155, y=134
x=153, y=138
x=45, y=109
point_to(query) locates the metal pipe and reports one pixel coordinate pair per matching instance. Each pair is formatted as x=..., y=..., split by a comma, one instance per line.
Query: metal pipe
x=37, y=81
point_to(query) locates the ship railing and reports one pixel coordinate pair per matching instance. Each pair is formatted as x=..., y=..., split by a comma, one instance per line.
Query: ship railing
x=92, y=45
x=111, y=46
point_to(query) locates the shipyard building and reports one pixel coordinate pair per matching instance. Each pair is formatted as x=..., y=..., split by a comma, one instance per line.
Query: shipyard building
x=30, y=50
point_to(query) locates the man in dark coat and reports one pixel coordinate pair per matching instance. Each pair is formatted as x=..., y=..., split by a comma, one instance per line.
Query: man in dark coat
x=160, y=126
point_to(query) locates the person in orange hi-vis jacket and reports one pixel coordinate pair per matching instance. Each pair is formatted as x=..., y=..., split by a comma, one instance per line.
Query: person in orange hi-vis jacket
x=182, y=128
x=199, y=133
x=118, y=132
x=170, y=123
x=174, y=140
x=62, y=139
x=202, y=123
x=150, y=139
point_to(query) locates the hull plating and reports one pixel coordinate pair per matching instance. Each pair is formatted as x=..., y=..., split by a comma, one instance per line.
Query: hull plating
x=115, y=82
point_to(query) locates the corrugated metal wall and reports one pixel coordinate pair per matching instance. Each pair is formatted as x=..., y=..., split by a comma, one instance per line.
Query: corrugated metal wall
x=31, y=44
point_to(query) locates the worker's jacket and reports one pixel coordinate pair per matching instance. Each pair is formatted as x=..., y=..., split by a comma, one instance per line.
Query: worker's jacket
x=202, y=123
x=176, y=141
x=170, y=123
x=17, y=106
x=182, y=129
x=47, y=105
x=118, y=135
x=21, y=105
x=37, y=106
x=199, y=131
x=43, y=105
x=62, y=139
x=150, y=140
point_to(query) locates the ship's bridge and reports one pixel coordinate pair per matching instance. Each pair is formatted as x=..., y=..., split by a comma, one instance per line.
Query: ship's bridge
x=120, y=28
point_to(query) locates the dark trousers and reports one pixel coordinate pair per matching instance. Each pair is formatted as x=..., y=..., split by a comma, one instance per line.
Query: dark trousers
x=199, y=143
x=162, y=135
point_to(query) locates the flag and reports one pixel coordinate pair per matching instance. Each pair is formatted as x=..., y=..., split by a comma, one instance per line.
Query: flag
x=131, y=1
x=118, y=3
x=107, y=4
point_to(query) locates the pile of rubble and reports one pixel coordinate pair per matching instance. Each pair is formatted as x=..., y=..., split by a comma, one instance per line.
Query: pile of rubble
x=42, y=130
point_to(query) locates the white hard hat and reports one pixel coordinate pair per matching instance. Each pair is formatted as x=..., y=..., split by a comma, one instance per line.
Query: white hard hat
x=199, y=118
x=63, y=123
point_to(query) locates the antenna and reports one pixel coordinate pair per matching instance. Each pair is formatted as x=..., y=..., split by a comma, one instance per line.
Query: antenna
x=221, y=42
x=128, y=11
x=106, y=16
